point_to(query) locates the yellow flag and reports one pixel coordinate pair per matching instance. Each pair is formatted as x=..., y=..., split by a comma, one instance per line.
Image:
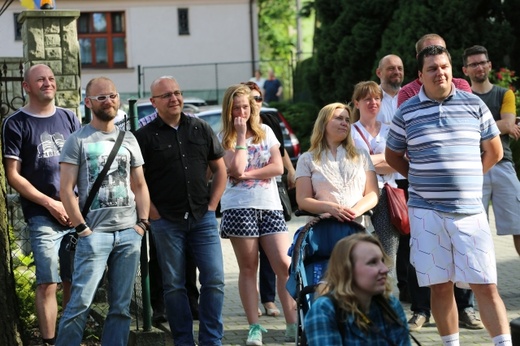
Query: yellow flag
x=29, y=4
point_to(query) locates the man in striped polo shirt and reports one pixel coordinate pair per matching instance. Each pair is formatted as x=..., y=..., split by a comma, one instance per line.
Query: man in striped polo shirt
x=450, y=139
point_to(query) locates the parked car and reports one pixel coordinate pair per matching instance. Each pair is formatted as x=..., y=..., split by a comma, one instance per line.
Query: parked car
x=213, y=115
x=191, y=105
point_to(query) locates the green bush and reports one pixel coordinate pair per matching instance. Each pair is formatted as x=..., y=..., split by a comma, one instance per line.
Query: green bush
x=301, y=117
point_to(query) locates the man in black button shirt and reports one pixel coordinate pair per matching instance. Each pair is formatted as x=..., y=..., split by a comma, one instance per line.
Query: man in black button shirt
x=178, y=150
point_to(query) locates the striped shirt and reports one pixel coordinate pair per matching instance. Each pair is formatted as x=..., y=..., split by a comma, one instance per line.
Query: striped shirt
x=442, y=140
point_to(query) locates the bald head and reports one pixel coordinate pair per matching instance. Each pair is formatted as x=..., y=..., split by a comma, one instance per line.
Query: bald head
x=390, y=72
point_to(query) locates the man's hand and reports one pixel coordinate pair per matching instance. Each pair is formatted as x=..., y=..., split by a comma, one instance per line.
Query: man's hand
x=58, y=212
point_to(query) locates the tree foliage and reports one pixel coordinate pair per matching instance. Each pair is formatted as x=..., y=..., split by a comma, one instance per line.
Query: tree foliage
x=275, y=20
x=351, y=36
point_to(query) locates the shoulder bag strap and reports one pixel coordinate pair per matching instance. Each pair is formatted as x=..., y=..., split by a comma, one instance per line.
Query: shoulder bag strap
x=364, y=138
x=103, y=173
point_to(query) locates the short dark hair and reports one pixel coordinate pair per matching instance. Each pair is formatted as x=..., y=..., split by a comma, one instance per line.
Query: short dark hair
x=474, y=50
x=430, y=51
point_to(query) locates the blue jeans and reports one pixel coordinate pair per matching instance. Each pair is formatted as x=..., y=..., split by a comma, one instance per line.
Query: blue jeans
x=171, y=240
x=119, y=250
x=48, y=240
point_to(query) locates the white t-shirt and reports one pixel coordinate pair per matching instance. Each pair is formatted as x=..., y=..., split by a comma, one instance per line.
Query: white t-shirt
x=254, y=193
x=260, y=82
x=378, y=145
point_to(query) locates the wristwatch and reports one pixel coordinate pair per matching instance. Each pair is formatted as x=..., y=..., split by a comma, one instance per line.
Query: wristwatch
x=82, y=227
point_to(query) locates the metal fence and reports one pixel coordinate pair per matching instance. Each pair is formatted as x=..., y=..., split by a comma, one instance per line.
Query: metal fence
x=210, y=81
x=25, y=277
x=11, y=99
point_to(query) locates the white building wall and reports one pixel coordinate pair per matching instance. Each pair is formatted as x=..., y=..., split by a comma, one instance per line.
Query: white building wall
x=220, y=32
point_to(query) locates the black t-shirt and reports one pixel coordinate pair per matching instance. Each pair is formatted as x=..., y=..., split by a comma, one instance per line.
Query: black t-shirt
x=272, y=120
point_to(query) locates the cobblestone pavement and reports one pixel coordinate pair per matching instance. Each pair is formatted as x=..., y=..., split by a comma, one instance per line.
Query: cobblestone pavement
x=236, y=326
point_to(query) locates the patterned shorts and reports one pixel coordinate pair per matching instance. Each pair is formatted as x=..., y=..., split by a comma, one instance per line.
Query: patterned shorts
x=451, y=247
x=251, y=223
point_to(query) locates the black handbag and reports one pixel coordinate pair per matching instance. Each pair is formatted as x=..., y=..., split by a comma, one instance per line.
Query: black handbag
x=286, y=201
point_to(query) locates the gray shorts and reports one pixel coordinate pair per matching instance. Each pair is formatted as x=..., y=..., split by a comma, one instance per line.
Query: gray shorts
x=252, y=223
x=502, y=188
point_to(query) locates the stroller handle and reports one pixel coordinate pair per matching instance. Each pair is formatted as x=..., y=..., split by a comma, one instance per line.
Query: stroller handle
x=300, y=212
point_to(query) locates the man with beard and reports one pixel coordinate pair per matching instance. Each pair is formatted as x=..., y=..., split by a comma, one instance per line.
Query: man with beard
x=390, y=72
x=501, y=185
x=32, y=141
x=110, y=233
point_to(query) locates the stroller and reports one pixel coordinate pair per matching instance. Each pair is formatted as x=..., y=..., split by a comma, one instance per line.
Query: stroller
x=310, y=252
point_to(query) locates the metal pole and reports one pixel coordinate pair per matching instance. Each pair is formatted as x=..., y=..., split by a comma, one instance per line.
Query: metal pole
x=216, y=80
x=132, y=114
x=139, y=83
x=145, y=284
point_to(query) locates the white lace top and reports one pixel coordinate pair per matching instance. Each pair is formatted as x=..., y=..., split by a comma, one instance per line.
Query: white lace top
x=339, y=179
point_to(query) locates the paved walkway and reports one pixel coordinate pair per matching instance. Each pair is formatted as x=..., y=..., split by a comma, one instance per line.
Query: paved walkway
x=236, y=326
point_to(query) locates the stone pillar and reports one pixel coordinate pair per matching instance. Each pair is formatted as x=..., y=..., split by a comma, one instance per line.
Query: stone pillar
x=50, y=37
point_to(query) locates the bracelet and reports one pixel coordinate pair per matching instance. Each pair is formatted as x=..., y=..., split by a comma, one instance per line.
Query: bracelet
x=145, y=222
x=238, y=147
x=141, y=226
x=82, y=227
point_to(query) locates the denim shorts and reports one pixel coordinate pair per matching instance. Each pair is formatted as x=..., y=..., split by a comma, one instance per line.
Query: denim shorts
x=47, y=238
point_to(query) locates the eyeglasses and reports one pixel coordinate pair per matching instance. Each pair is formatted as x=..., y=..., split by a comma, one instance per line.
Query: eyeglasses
x=477, y=64
x=168, y=96
x=103, y=98
x=258, y=98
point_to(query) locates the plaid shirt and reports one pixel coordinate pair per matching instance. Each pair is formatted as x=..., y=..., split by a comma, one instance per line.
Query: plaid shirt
x=321, y=328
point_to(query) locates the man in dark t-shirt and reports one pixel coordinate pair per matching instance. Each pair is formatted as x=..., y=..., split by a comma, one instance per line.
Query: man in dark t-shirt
x=32, y=141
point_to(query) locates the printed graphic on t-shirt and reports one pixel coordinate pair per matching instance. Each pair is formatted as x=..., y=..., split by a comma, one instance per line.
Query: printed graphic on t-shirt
x=116, y=184
x=258, y=157
x=50, y=145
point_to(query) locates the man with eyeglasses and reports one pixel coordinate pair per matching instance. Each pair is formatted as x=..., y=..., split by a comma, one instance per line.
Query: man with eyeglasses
x=501, y=185
x=33, y=138
x=179, y=150
x=110, y=234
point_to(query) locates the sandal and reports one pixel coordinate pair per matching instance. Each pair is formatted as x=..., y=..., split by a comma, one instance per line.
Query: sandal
x=271, y=309
x=259, y=312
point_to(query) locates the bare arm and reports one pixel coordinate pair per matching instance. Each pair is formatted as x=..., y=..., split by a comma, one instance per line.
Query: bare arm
x=380, y=164
x=272, y=169
x=370, y=196
x=291, y=173
x=140, y=190
x=27, y=190
x=492, y=152
x=306, y=201
x=68, y=179
x=218, y=168
x=397, y=161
